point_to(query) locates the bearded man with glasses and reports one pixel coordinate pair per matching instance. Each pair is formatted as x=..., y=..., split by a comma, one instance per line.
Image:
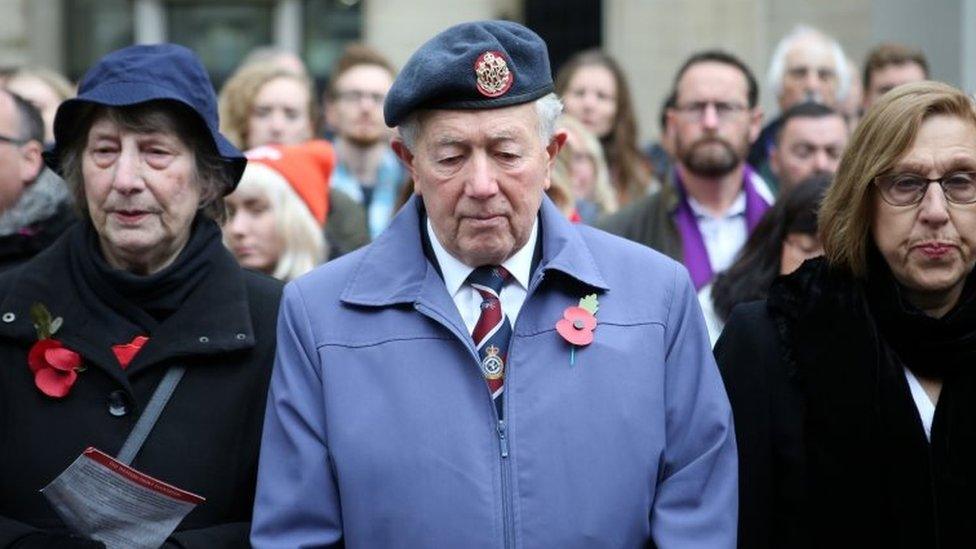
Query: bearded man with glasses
x=704, y=214
x=852, y=385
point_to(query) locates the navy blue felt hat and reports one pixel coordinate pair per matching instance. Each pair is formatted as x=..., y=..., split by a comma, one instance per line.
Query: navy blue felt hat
x=482, y=65
x=142, y=73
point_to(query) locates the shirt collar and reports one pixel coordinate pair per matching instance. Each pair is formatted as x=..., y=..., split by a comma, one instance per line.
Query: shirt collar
x=456, y=273
x=736, y=209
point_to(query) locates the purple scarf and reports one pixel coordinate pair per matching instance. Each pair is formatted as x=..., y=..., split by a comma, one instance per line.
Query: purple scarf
x=693, y=245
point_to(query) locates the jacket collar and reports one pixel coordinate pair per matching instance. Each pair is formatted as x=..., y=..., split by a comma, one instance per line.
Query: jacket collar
x=215, y=318
x=395, y=270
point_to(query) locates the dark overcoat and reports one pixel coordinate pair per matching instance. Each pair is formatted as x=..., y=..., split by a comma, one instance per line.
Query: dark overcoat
x=832, y=451
x=207, y=438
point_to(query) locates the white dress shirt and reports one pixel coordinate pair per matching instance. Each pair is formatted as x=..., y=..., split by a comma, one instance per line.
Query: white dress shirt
x=926, y=409
x=467, y=299
x=723, y=235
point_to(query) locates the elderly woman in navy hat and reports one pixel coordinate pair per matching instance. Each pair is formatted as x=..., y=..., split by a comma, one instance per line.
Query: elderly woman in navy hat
x=136, y=336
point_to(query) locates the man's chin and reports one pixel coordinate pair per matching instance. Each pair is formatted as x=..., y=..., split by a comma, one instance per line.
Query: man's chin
x=362, y=140
x=711, y=171
x=485, y=251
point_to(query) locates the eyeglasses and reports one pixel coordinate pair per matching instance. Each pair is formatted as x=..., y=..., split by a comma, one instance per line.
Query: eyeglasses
x=724, y=111
x=800, y=72
x=13, y=140
x=356, y=96
x=908, y=189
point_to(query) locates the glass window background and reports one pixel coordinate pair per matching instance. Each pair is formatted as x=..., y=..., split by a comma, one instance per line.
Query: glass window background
x=94, y=28
x=328, y=26
x=220, y=32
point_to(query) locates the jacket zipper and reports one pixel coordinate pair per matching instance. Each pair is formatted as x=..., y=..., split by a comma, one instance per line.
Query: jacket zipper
x=509, y=527
x=502, y=429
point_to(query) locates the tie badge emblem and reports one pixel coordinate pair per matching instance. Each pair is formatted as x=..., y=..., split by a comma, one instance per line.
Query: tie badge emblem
x=492, y=365
x=493, y=76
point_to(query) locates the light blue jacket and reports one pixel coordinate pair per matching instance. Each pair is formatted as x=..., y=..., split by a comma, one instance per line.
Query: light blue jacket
x=380, y=430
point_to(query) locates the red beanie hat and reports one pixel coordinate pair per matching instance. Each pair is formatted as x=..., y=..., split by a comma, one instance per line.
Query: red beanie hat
x=307, y=168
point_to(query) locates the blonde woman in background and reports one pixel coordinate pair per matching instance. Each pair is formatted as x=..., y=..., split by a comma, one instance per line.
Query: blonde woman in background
x=265, y=103
x=594, y=89
x=277, y=212
x=582, y=165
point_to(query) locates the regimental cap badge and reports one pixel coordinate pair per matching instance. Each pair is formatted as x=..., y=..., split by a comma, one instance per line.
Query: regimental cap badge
x=493, y=75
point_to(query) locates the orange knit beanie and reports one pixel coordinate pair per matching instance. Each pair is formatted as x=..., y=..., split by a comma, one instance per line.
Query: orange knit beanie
x=307, y=168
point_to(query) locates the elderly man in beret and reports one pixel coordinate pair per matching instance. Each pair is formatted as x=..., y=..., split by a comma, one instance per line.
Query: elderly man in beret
x=486, y=374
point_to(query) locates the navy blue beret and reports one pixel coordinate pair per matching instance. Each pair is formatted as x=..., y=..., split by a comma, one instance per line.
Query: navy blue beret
x=482, y=65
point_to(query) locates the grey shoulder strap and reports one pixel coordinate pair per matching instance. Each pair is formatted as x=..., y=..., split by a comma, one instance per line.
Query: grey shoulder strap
x=149, y=416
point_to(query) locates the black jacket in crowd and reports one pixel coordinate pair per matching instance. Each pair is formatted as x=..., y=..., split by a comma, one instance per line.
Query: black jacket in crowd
x=207, y=439
x=19, y=247
x=832, y=451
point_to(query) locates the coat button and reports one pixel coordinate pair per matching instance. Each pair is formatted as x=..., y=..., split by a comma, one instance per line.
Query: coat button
x=118, y=404
x=9, y=317
x=204, y=339
x=241, y=337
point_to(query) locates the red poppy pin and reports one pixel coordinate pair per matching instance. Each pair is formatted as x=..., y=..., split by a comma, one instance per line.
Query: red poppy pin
x=55, y=367
x=577, y=324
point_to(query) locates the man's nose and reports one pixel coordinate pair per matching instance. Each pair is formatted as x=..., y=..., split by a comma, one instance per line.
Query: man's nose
x=710, y=117
x=823, y=162
x=483, y=182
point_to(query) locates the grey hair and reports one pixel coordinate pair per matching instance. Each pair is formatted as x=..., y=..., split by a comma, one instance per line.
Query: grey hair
x=548, y=107
x=777, y=65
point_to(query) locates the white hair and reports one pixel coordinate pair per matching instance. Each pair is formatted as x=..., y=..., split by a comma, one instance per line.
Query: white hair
x=303, y=240
x=777, y=65
x=548, y=107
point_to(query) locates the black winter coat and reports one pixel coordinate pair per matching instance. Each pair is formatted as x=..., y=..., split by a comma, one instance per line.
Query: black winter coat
x=19, y=247
x=832, y=451
x=207, y=438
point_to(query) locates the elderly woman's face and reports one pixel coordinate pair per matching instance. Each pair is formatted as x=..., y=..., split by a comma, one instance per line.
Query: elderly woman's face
x=142, y=194
x=930, y=246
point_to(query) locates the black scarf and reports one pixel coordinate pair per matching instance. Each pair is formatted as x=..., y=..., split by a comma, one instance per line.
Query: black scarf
x=867, y=475
x=129, y=304
x=929, y=347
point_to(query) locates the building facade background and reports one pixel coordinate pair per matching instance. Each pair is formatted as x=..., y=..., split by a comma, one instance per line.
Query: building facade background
x=650, y=38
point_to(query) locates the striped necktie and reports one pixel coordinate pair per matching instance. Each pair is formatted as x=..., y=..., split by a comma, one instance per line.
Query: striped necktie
x=493, y=330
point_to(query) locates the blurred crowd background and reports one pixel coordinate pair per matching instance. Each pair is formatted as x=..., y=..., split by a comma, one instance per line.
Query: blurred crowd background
x=649, y=38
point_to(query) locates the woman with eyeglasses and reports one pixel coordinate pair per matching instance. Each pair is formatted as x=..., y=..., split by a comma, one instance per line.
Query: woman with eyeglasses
x=853, y=385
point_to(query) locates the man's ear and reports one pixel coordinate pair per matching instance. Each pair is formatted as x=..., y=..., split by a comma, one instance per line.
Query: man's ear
x=406, y=157
x=552, y=150
x=755, y=123
x=556, y=144
x=670, y=125
x=403, y=153
x=31, y=162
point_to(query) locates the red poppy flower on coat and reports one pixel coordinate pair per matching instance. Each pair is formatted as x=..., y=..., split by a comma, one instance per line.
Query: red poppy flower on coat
x=54, y=367
x=577, y=325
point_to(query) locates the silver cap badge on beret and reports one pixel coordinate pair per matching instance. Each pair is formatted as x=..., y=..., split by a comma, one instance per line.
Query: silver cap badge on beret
x=494, y=78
